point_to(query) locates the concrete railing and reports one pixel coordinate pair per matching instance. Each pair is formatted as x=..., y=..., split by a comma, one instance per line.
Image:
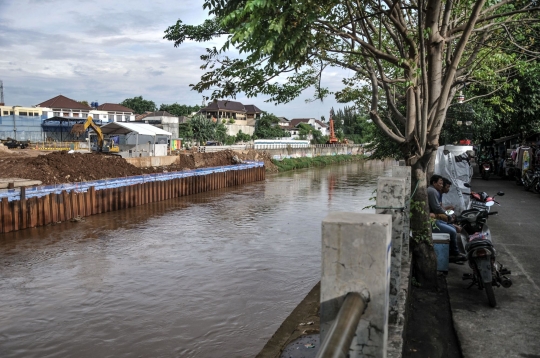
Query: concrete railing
x=367, y=255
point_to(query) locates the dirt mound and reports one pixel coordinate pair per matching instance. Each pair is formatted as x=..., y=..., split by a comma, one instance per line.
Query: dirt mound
x=202, y=160
x=62, y=167
x=259, y=157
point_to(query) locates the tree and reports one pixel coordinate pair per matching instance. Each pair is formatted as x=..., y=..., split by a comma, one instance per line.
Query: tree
x=354, y=125
x=307, y=131
x=85, y=103
x=204, y=129
x=267, y=127
x=408, y=59
x=185, y=131
x=139, y=105
x=242, y=137
x=179, y=109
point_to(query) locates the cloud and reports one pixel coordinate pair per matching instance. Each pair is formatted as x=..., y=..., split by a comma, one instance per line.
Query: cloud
x=109, y=51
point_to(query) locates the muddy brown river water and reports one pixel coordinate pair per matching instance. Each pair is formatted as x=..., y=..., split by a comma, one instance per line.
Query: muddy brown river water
x=209, y=275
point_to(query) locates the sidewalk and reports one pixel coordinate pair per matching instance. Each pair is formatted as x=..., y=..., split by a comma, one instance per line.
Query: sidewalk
x=512, y=329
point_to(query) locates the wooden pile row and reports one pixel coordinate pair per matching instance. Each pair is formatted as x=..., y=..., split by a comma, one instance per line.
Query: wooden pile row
x=53, y=208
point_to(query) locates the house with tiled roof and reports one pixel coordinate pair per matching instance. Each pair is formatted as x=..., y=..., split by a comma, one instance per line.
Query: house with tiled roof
x=63, y=107
x=315, y=123
x=283, y=122
x=227, y=110
x=117, y=112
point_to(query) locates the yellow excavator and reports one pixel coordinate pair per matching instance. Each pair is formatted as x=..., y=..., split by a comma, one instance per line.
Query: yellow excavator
x=103, y=145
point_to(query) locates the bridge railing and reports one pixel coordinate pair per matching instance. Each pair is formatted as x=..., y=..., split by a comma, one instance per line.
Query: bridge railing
x=364, y=272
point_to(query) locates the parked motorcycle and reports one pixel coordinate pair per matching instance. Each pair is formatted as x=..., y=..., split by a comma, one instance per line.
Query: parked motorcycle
x=486, y=168
x=527, y=179
x=535, y=180
x=476, y=238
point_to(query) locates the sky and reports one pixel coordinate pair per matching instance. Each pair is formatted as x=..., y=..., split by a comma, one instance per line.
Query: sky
x=107, y=51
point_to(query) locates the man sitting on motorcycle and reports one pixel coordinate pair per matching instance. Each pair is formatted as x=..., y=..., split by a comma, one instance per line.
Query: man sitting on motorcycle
x=443, y=224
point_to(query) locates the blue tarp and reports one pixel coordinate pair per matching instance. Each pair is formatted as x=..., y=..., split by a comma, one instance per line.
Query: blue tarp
x=39, y=191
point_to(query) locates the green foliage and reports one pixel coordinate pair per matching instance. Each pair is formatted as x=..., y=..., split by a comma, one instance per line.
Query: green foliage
x=423, y=234
x=305, y=131
x=242, y=137
x=267, y=127
x=307, y=162
x=179, y=110
x=354, y=125
x=185, y=131
x=403, y=68
x=139, y=105
x=205, y=129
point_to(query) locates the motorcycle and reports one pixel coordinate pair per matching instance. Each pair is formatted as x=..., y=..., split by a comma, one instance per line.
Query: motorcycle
x=527, y=179
x=481, y=254
x=535, y=183
x=485, y=168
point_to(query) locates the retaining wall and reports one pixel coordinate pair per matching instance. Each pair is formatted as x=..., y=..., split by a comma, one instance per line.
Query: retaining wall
x=39, y=206
x=145, y=162
x=314, y=151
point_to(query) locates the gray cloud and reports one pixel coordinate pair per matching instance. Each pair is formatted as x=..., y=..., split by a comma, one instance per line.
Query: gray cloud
x=108, y=51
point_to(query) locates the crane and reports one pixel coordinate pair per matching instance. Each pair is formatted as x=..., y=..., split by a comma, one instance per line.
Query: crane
x=333, y=139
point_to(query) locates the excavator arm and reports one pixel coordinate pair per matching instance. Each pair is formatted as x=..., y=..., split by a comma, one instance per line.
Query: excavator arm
x=90, y=123
x=79, y=129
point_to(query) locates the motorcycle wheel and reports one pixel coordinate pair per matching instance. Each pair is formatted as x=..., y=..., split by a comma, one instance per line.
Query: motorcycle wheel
x=490, y=294
x=535, y=186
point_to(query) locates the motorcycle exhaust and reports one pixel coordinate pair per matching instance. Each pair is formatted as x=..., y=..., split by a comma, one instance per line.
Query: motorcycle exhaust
x=506, y=282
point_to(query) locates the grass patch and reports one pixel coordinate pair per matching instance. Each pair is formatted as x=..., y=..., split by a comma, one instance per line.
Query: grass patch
x=307, y=162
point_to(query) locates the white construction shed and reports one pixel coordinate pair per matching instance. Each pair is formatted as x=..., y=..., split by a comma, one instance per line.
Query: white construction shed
x=141, y=139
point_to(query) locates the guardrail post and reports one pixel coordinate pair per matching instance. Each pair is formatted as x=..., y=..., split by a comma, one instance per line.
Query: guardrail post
x=356, y=258
x=405, y=172
x=391, y=200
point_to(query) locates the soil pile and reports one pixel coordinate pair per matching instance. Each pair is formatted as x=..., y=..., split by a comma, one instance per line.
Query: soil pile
x=202, y=160
x=62, y=167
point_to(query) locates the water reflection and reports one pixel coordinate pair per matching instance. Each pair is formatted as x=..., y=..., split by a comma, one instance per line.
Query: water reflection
x=208, y=275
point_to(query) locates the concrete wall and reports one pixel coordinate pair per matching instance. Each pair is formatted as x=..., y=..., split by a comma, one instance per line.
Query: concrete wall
x=233, y=129
x=144, y=162
x=315, y=151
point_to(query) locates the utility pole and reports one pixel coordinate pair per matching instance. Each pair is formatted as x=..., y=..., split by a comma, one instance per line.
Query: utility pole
x=2, y=93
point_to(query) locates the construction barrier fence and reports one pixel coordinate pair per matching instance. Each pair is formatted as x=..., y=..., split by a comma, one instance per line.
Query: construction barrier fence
x=40, y=206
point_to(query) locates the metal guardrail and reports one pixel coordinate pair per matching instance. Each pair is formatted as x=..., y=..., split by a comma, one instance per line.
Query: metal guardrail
x=339, y=338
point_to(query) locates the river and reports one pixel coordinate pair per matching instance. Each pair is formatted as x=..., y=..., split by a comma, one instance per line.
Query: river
x=208, y=275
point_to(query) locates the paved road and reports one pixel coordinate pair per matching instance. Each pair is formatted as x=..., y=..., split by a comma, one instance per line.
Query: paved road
x=512, y=329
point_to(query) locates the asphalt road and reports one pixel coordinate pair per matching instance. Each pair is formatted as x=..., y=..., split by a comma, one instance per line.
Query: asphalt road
x=512, y=329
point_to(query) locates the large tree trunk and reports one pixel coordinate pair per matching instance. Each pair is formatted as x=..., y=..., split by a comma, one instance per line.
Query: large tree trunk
x=424, y=260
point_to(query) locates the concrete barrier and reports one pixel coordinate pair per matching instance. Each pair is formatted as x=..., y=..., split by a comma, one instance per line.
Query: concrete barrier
x=356, y=258
x=369, y=254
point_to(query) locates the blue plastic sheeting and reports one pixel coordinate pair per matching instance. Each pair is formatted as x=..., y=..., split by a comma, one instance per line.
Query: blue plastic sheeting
x=39, y=191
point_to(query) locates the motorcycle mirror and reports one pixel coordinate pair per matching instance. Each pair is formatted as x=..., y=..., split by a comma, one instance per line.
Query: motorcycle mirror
x=466, y=185
x=490, y=203
x=500, y=193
